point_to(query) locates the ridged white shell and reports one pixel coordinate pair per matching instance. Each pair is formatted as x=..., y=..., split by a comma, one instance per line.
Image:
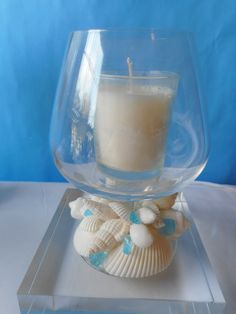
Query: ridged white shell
x=166, y=202
x=150, y=204
x=83, y=241
x=140, y=235
x=109, y=235
x=141, y=262
x=91, y=224
x=121, y=209
x=146, y=215
x=182, y=223
x=75, y=207
x=117, y=227
x=103, y=242
x=98, y=210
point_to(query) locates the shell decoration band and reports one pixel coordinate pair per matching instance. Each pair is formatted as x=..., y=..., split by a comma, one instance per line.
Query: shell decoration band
x=130, y=240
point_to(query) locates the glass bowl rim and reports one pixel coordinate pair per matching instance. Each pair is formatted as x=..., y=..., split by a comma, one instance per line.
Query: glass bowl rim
x=165, y=33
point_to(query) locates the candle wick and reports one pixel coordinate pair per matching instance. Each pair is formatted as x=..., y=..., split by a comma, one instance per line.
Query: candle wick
x=130, y=67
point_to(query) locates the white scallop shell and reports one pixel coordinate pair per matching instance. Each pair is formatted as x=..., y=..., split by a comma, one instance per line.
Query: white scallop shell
x=121, y=209
x=182, y=223
x=142, y=262
x=151, y=204
x=140, y=235
x=146, y=215
x=166, y=202
x=109, y=235
x=98, y=210
x=83, y=241
x=75, y=207
x=91, y=224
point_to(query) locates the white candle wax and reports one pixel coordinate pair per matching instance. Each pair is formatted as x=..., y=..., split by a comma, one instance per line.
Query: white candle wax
x=131, y=125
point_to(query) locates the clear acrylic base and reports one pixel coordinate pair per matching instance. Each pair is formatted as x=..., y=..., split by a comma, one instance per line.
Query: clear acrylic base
x=60, y=281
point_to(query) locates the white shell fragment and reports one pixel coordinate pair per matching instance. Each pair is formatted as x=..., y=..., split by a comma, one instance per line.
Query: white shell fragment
x=140, y=235
x=151, y=205
x=146, y=215
x=181, y=222
x=143, y=262
x=75, y=207
x=83, y=241
x=166, y=202
x=91, y=224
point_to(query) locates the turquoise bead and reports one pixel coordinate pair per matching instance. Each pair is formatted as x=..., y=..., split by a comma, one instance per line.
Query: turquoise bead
x=128, y=245
x=169, y=228
x=133, y=217
x=97, y=259
x=88, y=213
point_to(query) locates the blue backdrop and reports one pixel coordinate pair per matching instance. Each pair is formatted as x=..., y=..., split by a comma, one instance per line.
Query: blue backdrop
x=33, y=36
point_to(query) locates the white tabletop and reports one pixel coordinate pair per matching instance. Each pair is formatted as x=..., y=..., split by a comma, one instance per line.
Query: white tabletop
x=26, y=210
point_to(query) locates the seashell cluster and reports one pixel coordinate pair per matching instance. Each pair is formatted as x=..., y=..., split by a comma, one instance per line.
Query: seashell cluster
x=131, y=240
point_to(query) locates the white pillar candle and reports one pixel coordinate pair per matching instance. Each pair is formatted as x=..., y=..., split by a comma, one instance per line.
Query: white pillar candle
x=131, y=123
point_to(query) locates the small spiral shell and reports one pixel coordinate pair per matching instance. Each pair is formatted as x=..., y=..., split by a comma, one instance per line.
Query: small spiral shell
x=109, y=235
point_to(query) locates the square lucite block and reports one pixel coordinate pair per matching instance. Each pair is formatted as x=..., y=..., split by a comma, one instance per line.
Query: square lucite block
x=60, y=281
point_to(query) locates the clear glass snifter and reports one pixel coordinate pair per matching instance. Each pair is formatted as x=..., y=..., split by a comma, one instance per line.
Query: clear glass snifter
x=128, y=122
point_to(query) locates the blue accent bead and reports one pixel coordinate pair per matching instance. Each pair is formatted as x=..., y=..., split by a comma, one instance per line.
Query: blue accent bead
x=97, y=259
x=169, y=228
x=88, y=213
x=133, y=217
x=128, y=245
